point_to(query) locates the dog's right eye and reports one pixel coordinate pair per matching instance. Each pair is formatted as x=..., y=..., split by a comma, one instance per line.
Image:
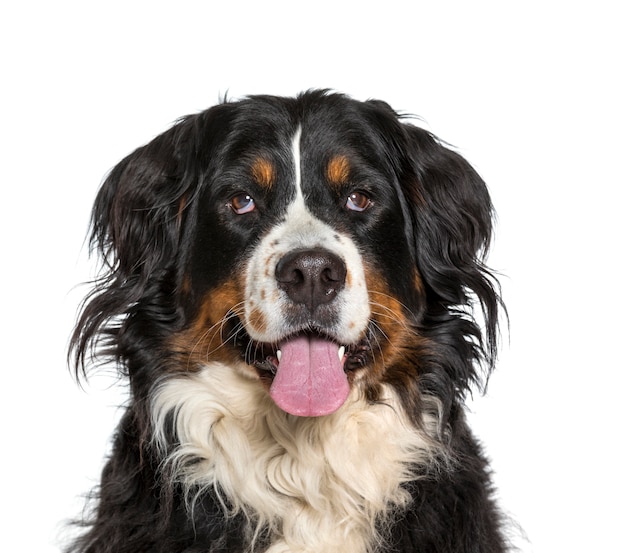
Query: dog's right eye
x=242, y=203
x=357, y=201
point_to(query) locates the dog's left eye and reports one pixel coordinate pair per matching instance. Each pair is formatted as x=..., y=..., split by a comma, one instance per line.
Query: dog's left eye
x=357, y=201
x=242, y=203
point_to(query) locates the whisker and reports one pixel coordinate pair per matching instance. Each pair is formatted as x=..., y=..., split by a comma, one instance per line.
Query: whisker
x=373, y=336
x=384, y=295
x=388, y=313
x=208, y=348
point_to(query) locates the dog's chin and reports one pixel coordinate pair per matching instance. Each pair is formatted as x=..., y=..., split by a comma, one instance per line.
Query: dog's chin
x=308, y=372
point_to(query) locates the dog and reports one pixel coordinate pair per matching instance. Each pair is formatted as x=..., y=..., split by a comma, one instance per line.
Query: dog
x=296, y=291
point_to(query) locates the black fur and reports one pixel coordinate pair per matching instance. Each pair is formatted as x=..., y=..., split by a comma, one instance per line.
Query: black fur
x=158, y=222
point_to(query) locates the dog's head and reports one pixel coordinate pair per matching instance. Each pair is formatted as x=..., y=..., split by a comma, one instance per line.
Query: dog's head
x=315, y=244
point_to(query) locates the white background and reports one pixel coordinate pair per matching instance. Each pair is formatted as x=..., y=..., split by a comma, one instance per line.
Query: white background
x=532, y=93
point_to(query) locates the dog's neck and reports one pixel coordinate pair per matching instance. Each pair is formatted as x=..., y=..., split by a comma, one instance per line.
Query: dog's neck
x=313, y=484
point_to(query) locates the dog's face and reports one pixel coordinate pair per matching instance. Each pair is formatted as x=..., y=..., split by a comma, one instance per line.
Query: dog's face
x=315, y=244
x=305, y=220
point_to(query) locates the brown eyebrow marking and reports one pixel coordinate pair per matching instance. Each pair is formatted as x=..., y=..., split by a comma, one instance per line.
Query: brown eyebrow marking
x=263, y=172
x=338, y=170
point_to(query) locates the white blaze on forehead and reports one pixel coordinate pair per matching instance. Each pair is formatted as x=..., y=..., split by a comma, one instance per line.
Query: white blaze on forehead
x=266, y=304
x=297, y=162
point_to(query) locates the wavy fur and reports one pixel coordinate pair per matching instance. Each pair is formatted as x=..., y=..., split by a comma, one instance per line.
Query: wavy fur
x=203, y=459
x=321, y=485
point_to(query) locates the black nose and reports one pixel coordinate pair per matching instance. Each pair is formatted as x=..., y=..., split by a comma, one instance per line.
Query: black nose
x=311, y=277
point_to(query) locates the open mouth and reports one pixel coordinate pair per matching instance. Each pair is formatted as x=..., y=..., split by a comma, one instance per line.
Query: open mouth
x=266, y=358
x=307, y=372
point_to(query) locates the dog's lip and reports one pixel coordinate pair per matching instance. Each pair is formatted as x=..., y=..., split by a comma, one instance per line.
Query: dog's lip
x=340, y=353
x=265, y=356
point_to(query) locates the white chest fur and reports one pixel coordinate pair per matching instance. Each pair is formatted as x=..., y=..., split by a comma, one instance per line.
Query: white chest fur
x=316, y=484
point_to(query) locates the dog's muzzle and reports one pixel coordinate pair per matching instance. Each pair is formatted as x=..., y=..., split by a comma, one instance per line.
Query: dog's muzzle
x=310, y=378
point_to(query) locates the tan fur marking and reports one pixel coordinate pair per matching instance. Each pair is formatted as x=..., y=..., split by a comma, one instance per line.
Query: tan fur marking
x=181, y=210
x=349, y=278
x=390, y=317
x=263, y=172
x=203, y=339
x=338, y=170
x=257, y=320
x=419, y=283
x=185, y=286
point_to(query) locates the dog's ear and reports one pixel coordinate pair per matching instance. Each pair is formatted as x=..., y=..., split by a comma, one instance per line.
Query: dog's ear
x=138, y=221
x=452, y=217
x=134, y=215
x=138, y=215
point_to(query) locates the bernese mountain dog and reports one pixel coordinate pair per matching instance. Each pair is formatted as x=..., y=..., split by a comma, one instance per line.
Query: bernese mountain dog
x=295, y=290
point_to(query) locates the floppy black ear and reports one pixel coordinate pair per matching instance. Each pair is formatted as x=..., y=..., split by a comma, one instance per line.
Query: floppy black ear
x=452, y=218
x=134, y=216
x=136, y=228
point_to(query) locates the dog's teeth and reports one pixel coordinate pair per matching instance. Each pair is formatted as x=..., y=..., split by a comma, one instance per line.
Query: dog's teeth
x=279, y=354
x=341, y=352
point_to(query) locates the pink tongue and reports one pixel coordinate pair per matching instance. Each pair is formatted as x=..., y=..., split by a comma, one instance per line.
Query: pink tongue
x=310, y=381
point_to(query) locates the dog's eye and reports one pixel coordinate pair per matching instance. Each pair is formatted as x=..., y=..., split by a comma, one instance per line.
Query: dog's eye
x=358, y=201
x=242, y=203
